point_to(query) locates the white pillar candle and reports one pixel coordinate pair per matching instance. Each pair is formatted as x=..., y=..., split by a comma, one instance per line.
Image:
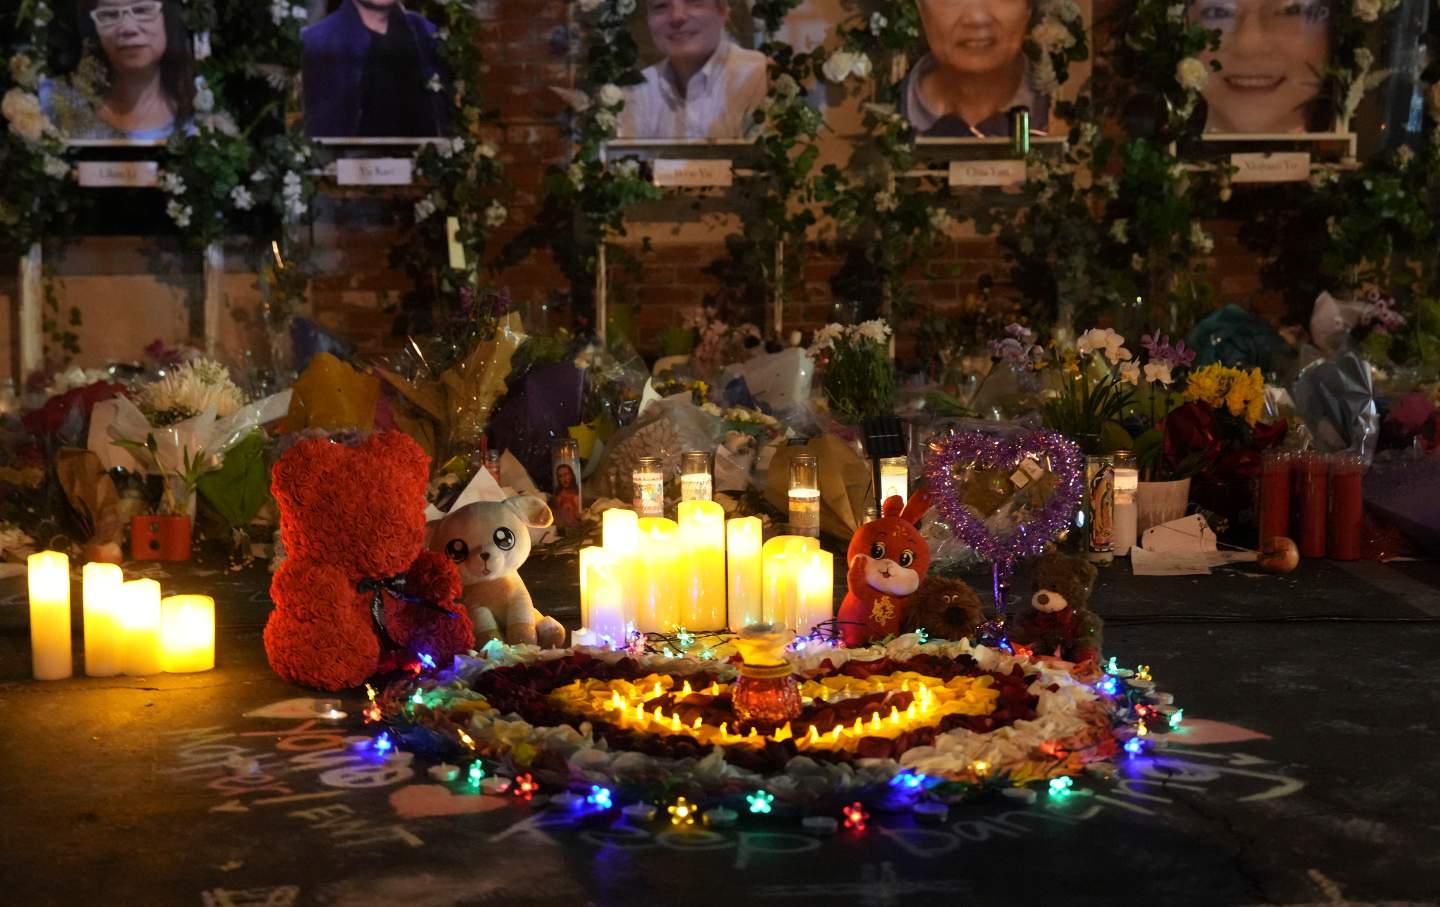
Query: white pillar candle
x=101, y=599
x=620, y=536
x=655, y=565
x=816, y=590
x=187, y=634
x=781, y=559
x=588, y=555
x=701, y=568
x=607, y=600
x=139, y=619
x=742, y=563
x=49, y=581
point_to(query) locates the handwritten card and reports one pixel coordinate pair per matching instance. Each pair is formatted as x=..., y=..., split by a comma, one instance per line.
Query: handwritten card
x=987, y=173
x=1276, y=167
x=118, y=174
x=693, y=174
x=374, y=171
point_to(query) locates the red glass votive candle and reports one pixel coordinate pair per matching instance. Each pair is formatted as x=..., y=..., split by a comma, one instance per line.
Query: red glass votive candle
x=1347, y=500
x=1314, y=482
x=1274, y=503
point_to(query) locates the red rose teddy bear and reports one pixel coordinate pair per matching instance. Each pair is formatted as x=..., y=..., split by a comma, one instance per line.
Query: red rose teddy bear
x=888, y=558
x=357, y=592
x=1058, y=621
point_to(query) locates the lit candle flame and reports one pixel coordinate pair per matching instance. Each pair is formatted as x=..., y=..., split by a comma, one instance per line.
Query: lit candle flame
x=696, y=725
x=685, y=690
x=859, y=728
x=894, y=715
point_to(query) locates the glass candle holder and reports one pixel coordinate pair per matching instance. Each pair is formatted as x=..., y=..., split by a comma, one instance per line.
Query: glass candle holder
x=1127, y=484
x=1347, y=499
x=649, y=483
x=696, y=483
x=1313, y=470
x=1100, y=491
x=568, y=500
x=805, y=496
x=894, y=478
x=1275, y=470
x=766, y=689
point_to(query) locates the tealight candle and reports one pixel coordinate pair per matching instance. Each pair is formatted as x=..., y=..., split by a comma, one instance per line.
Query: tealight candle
x=443, y=773
x=933, y=813
x=187, y=634
x=101, y=600
x=640, y=812
x=719, y=817
x=49, y=582
x=139, y=620
x=743, y=541
x=495, y=786
x=823, y=826
x=701, y=565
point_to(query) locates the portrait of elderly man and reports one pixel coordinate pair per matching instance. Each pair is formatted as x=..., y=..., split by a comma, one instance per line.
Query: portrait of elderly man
x=975, y=72
x=706, y=87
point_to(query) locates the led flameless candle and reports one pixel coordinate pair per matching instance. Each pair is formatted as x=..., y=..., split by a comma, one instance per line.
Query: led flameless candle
x=815, y=590
x=894, y=478
x=654, y=571
x=101, y=600
x=742, y=551
x=607, y=599
x=781, y=559
x=701, y=565
x=695, y=481
x=49, y=582
x=620, y=537
x=139, y=619
x=187, y=634
x=805, y=496
x=1127, y=483
x=588, y=555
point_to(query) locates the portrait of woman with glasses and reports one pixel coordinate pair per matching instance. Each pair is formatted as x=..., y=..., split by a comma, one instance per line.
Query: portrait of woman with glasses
x=136, y=77
x=1272, y=56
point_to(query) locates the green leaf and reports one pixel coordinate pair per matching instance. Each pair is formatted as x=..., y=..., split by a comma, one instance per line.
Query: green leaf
x=241, y=486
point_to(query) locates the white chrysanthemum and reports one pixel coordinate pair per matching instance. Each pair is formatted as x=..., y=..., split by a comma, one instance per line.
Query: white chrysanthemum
x=189, y=390
x=876, y=329
x=610, y=95
x=1192, y=74
x=825, y=338
x=242, y=198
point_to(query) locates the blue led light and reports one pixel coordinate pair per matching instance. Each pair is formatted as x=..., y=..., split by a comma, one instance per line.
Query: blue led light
x=1135, y=746
x=908, y=781
x=600, y=797
x=383, y=744
x=427, y=660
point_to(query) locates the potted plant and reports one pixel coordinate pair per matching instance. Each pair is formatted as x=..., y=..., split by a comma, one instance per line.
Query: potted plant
x=1164, y=490
x=166, y=536
x=1097, y=381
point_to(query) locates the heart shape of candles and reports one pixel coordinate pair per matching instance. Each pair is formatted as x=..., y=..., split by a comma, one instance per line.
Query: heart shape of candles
x=952, y=454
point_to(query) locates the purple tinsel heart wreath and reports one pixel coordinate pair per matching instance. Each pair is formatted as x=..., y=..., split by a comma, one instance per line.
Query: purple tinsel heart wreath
x=991, y=451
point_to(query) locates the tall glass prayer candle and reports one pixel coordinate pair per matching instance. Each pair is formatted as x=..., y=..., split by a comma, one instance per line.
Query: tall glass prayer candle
x=894, y=478
x=606, y=589
x=187, y=634
x=139, y=619
x=815, y=591
x=1100, y=501
x=743, y=539
x=805, y=496
x=1314, y=473
x=1274, y=505
x=656, y=563
x=588, y=555
x=695, y=480
x=1347, y=498
x=701, y=565
x=101, y=601
x=49, y=581
x=649, y=484
x=1127, y=484
x=781, y=559
x=567, y=501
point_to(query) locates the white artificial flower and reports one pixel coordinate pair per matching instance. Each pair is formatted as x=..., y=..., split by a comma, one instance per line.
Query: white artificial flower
x=1130, y=373
x=610, y=95
x=242, y=198
x=886, y=201
x=878, y=22
x=1120, y=230
x=172, y=183
x=839, y=66
x=179, y=213
x=940, y=220
x=786, y=88
x=628, y=168
x=576, y=174
x=24, y=71
x=1052, y=36
x=624, y=7
x=495, y=214
x=1201, y=240
x=875, y=329
x=433, y=84
x=26, y=118
x=56, y=168
x=1158, y=371
x=1192, y=74
x=487, y=150
x=425, y=207
x=588, y=6
x=1103, y=340
x=1367, y=10
x=606, y=120
x=204, y=97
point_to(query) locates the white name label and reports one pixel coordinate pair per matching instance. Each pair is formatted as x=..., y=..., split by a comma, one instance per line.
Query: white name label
x=117, y=174
x=987, y=173
x=1281, y=167
x=694, y=173
x=374, y=171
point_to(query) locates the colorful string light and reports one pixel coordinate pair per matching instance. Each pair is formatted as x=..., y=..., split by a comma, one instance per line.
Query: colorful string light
x=1060, y=787
x=1176, y=718
x=600, y=797
x=682, y=812
x=476, y=773
x=525, y=786
x=855, y=816
x=760, y=802
x=908, y=781
x=427, y=660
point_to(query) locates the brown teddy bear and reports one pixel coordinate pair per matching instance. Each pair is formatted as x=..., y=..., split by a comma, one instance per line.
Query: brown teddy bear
x=944, y=608
x=1057, y=620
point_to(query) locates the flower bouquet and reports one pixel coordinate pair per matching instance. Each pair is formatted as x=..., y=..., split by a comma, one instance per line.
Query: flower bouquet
x=857, y=372
x=1097, y=380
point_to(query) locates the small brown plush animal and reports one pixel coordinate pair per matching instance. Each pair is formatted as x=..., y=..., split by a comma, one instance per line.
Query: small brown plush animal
x=1058, y=621
x=944, y=609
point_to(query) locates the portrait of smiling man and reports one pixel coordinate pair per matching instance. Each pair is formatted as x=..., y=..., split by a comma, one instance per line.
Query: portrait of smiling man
x=706, y=87
x=975, y=71
x=1272, y=56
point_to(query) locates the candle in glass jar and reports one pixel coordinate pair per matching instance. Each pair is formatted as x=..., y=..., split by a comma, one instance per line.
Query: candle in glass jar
x=48, y=579
x=1314, y=472
x=815, y=590
x=100, y=596
x=649, y=485
x=187, y=634
x=894, y=478
x=1347, y=500
x=1274, y=519
x=656, y=564
x=701, y=565
x=1127, y=484
x=139, y=620
x=781, y=559
x=805, y=496
x=743, y=540
x=695, y=481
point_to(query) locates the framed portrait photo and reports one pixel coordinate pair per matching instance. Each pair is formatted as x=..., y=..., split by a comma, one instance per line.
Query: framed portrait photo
x=372, y=73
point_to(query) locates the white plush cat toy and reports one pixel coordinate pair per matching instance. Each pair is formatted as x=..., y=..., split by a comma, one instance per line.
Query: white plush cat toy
x=488, y=541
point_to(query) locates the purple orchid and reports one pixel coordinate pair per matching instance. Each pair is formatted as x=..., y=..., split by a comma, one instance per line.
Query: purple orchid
x=1163, y=353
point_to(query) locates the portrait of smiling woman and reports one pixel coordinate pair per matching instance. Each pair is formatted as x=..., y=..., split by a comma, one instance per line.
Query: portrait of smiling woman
x=1272, y=57
x=975, y=71
x=136, y=77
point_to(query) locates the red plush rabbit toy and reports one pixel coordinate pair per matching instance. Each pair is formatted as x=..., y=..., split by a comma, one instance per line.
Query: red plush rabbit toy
x=888, y=558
